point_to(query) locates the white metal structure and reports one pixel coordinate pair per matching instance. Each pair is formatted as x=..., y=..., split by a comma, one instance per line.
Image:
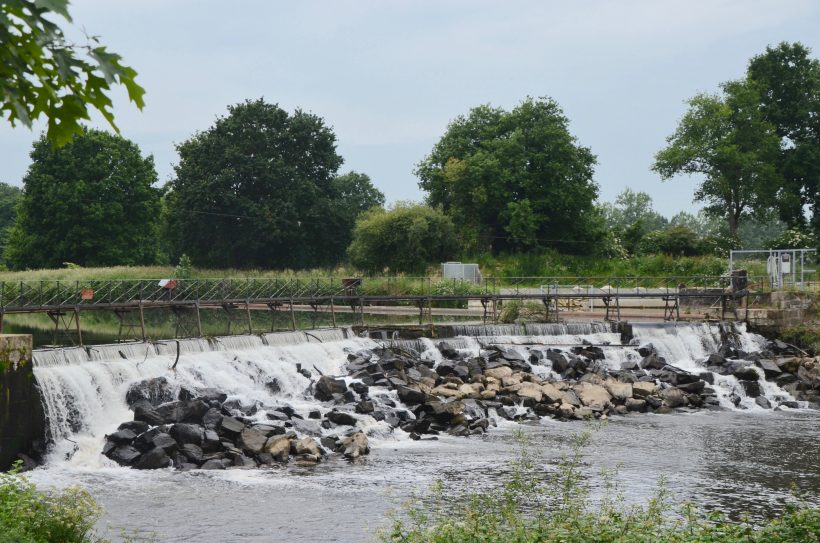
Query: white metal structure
x=457, y=270
x=783, y=266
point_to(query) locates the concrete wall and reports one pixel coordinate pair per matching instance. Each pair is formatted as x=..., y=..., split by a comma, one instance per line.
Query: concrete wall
x=22, y=423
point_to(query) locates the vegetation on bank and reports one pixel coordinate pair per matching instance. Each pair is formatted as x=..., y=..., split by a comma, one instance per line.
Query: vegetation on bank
x=555, y=508
x=28, y=515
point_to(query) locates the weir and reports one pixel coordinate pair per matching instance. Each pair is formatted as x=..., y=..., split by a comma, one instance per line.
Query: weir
x=83, y=390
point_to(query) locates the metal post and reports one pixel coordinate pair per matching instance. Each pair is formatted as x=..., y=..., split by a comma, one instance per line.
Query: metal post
x=79, y=328
x=142, y=320
x=292, y=316
x=332, y=311
x=198, y=319
x=248, y=309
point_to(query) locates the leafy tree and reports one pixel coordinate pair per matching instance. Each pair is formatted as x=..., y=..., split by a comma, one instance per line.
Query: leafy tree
x=354, y=194
x=631, y=217
x=406, y=238
x=9, y=198
x=514, y=179
x=787, y=82
x=44, y=74
x=259, y=189
x=90, y=202
x=727, y=141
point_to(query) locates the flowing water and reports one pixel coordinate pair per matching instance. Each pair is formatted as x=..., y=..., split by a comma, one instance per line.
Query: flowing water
x=736, y=460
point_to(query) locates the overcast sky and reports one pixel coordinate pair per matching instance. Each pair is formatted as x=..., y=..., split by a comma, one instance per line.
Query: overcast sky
x=389, y=75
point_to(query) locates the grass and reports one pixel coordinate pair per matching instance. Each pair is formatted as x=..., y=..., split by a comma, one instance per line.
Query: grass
x=529, y=509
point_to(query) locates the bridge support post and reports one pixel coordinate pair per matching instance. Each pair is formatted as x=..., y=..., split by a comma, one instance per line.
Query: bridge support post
x=142, y=321
x=292, y=316
x=332, y=312
x=248, y=311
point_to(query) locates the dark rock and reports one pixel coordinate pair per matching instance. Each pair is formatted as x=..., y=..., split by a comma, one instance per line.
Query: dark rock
x=230, y=426
x=276, y=414
x=123, y=455
x=770, y=369
x=752, y=388
x=166, y=442
x=359, y=388
x=122, y=436
x=155, y=391
x=327, y=386
x=144, y=412
x=559, y=361
x=763, y=402
x=747, y=373
x=790, y=404
x=447, y=350
x=192, y=452
x=156, y=458
x=210, y=441
x=693, y=388
x=135, y=426
x=186, y=433
x=341, y=418
x=646, y=349
x=315, y=414
x=716, y=359
x=214, y=464
x=212, y=419
x=653, y=401
x=630, y=365
x=653, y=361
x=365, y=407
x=211, y=396
x=707, y=376
x=411, y=396
x=273, y=386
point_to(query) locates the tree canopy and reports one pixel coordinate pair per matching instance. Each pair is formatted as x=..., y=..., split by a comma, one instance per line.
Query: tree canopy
x=726, y=140
x=513, y=179
x=406, y=238
x=787, y=82
x=259, y=188
x=44, y=74
x=90, y=202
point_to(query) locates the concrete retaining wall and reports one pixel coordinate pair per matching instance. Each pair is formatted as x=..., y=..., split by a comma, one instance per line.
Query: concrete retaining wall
x=22, y=423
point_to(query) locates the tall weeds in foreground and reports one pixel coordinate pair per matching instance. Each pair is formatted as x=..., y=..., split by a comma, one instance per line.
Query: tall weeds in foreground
x=28, y=515
x=529, y=509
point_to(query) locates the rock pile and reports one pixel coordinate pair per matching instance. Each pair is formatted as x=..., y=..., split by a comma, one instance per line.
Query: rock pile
x=205, y=431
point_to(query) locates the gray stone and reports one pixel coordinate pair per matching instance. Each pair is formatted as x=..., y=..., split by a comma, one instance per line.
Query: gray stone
x=327, y=386
x=251, y=441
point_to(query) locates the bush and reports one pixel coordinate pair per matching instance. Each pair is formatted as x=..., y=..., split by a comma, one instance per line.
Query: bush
x=404, y=239
x=527, y=510
x=676, y=240
x=31, y=516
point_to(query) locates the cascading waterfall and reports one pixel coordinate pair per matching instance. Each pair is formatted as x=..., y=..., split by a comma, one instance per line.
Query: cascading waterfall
x=83, y=390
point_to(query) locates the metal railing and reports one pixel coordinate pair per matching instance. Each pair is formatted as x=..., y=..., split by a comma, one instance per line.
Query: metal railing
x=39, y=295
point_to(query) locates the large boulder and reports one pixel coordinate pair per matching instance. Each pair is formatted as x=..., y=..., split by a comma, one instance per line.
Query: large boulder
x=124, y=455
x=499, y=373
x=642, y=389
x=411, y=395
x=529, y=390
x=673, y=397
x=187, y=433
x=307, y=445
x=550, y=392
x=155, y=391
x=595, y=397
x=653, y=362
x=355, y=445
x=327, y=386
x=619, y=391
x=156, y=458
x=251, y=441
x=279, y=447
x=746, y=373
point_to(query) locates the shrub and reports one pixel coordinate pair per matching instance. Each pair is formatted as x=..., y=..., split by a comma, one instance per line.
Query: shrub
x=676, y=240
x=28, y=515
x=403, y=239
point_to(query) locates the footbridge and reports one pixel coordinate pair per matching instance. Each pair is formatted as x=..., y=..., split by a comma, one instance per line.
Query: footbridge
x=240, y=299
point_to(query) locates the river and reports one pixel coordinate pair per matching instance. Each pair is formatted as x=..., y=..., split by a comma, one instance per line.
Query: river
x=733, y=460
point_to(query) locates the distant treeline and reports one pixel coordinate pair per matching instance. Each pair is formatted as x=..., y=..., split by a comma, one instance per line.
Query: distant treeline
x=262, y=188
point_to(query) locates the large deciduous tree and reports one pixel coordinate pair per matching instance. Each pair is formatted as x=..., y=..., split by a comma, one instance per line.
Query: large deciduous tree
x=731, y=145
x=44, y=74
x=787, y=81
x=514, y=179
x=406, y=238
x=259, y=189
x=90, y=202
